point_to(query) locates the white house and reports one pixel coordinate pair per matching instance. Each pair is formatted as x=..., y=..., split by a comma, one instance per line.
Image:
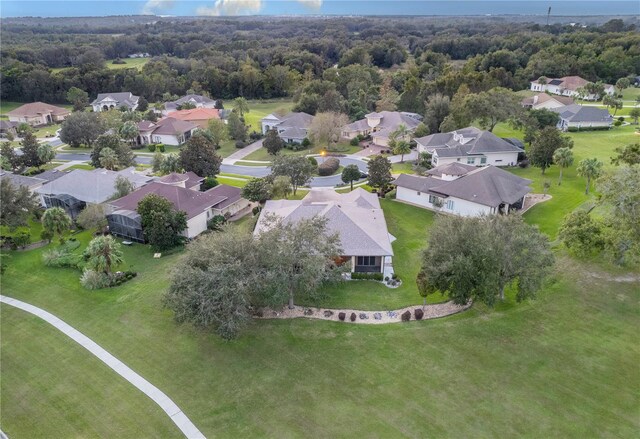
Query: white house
x=169, y=131
x=381, y=125
x=583, y=117
x=183, y=191
x=546, y=101
x=292, y=127
x=107, y=101
x=568, y=86
x=470, y=146
x=464, y=190
x=355, y=216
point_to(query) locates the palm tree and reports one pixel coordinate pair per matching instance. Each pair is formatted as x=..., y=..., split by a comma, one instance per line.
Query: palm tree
x=45, y=154
x=590, y=169
x=402, y=147
x=55, y=221
x=241, y=106
x=129, y=131
x=102, y=253
x=562, y=157
x=108, y=159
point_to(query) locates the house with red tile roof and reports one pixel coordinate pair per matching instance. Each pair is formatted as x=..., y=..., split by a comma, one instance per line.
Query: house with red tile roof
x=197, y=116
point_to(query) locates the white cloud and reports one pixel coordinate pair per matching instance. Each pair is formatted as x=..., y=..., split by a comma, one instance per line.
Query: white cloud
x=153, y=6
x=231, y=7
x=243, y=7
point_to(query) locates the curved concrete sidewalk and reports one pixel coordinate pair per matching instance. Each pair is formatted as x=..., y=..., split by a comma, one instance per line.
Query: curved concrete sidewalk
x=165, y=403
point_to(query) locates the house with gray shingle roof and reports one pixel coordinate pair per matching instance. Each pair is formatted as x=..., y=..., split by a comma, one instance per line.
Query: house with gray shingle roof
x=31, y=183
x=464, y=190
x=470, y=146
x=108, y=101
x=380, y=126
x=583, y=117
x=74, y=190
x=292, y=127
x=168, y=131
x=198, y=101
x=356, y=217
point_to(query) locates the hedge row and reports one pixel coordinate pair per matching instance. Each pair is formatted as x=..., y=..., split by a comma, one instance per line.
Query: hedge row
x=367, y=276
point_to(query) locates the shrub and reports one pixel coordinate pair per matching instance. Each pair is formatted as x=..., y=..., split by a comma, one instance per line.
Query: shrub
x=22, y=239
x=617, y=123
x=313, y=161
x=419, y=313
x=306, y=143
x=367, y=276
x=354, y=141
x=240, y=144
x=342, y=316
x=94, y=280
x=406, y=316
x=208, y=183
x=524, y=163
x=352, y=317
x=394, y=276
x=151, y=147
x=329, y=166
x=256, y=210
x=216, y=222
x=254, y=135
x=160, y=147
x=621, y=118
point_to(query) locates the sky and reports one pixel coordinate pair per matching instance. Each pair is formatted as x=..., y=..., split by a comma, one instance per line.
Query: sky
x=57, y=8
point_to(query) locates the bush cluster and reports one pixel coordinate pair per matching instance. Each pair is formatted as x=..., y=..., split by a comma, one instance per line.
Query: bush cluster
x=576, y=129
x=153, y=147
x=419, y=313
x=367, y=276
x=406, y=316
x=329, y=166
x=96, y=280
x=294, y=146
x=20, y=239
x=63, y=255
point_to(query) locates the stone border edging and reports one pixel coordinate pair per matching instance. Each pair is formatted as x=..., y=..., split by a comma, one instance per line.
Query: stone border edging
x=156, y=395
x=434, y=311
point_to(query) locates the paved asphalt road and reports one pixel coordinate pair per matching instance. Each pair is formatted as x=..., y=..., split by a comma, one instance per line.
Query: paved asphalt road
x=252, y=171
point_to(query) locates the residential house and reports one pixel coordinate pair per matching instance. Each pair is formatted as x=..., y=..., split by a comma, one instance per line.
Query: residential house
x=182, y=190
x=169, y=131
x=197, y=116
x=38, y=113
x=356, y=217
x=464, y=190
x=292, y=127
x=139, y=55
x=107, y=101
x=198, y=101
x=31, y=183
x=469, y=145
x=568, y=86
x=74, y=190
x=8, y=128
x=546, y=101
x=583, y=117
x=381, y=125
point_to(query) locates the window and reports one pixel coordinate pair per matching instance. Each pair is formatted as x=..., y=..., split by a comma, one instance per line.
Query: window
x=418, y=193
x=458, y=159
x=498, y=161
x=432, y=199
x=450, y=204
x=471, y=160
x=366, y=260
x=483, y=160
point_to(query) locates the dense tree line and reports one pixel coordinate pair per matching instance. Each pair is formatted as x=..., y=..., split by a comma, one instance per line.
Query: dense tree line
x=327, y=65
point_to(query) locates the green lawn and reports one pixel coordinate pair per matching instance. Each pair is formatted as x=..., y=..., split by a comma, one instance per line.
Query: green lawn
x=341, y=148
x=137, y=63
x=564, y=365
x=47, y=131
x=403, y=168
x=86, y=167
x=244, y=163
x=259, y=109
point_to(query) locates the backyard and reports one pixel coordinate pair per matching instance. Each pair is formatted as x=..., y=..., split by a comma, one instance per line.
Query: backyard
x=568, y=357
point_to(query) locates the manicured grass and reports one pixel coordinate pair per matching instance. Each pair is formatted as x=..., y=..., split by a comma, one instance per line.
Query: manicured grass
x=564, y=365
x=34, y=229
x=47, y=131
x=46, y=375
x=244, y=163
x=260, y=109
x=403, y=168
x=341, y=148
x=630, y=94
x=81, y=166
x=137, y=63
x=231, y=181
